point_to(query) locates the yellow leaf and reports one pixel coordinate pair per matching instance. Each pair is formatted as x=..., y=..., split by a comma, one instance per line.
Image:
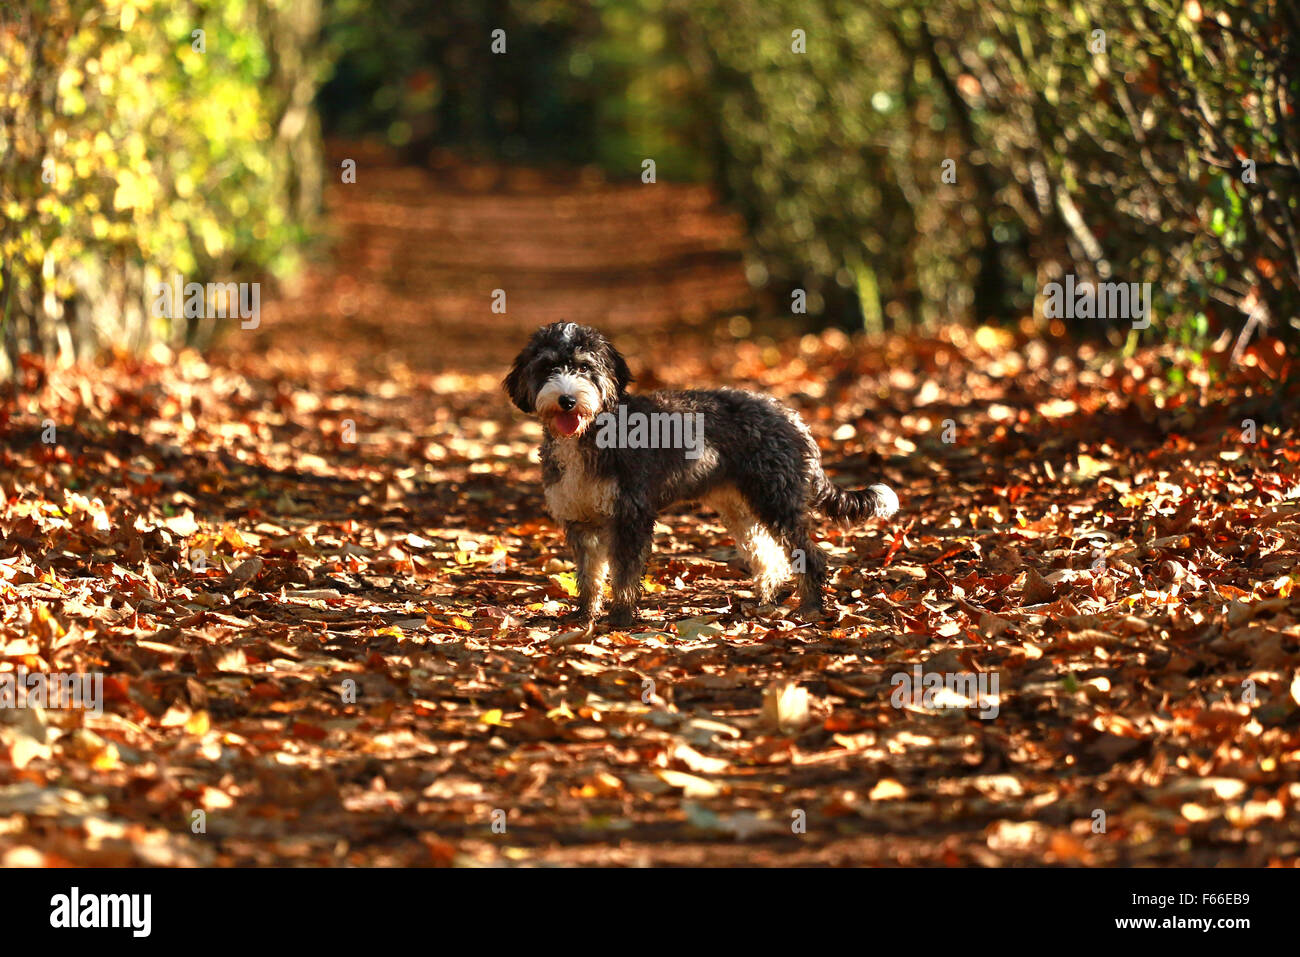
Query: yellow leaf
x=887, y=789
x=106, y=759
x=560, y=712
x=198, y=723
x=566, y=581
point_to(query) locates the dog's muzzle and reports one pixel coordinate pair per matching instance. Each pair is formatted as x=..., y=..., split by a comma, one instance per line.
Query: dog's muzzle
x=567, y=404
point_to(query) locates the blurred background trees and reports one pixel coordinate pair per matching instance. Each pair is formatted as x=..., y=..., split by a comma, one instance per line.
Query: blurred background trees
x=903, y=162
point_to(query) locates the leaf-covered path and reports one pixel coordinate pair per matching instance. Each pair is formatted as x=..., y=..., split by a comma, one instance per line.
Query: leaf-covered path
x=316, y=572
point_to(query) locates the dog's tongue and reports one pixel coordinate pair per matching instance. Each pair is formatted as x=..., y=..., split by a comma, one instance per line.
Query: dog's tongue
x=567, y=423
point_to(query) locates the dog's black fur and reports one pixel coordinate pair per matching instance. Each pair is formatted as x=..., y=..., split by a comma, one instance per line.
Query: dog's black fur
x=757, y=464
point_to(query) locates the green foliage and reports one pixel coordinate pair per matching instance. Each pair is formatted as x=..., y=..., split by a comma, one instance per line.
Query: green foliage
x=1121, y=161
x=127, y=155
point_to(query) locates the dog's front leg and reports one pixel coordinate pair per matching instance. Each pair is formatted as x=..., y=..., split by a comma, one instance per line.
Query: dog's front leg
x=590, y=547
x=633, y=534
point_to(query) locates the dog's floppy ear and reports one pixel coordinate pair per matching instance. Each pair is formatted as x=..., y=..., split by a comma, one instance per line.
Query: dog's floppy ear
x=517, y=388
x=622, y=374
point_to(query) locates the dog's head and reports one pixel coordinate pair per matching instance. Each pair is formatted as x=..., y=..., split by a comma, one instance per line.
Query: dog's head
x=567, y=375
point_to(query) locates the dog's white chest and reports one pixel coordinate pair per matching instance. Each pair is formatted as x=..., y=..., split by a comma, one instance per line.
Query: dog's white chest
x=578, y=495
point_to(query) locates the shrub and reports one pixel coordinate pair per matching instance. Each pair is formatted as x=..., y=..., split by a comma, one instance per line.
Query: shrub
x=129, y=154
x=1108, y=140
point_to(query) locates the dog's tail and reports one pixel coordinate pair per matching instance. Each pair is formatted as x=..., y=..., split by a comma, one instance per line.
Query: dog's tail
x=853, y=505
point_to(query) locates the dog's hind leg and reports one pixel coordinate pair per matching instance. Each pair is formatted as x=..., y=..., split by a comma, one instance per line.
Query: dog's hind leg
x=786, y=521
x=632, y=540
x=590, y=545
x=762, y=554
x=809, y=562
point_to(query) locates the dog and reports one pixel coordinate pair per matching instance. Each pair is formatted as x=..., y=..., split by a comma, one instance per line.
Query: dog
x=607, y=475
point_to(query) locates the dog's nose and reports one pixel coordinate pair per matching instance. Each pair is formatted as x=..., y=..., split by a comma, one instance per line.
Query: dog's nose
x=567, y=402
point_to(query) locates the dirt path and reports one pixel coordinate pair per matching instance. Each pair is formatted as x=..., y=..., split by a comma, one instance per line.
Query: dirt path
x=419, y=254
x=362, y=665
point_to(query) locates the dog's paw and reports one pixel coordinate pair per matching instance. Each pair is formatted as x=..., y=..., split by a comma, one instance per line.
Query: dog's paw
x=579, y=616
x=622, y=618
x=814, y=612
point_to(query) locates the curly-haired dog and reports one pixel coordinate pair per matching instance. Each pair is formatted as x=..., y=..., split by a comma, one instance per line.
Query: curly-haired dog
x=612, y=460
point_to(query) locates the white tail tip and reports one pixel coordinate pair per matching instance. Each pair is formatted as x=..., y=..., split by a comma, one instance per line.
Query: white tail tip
x=887, y=499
